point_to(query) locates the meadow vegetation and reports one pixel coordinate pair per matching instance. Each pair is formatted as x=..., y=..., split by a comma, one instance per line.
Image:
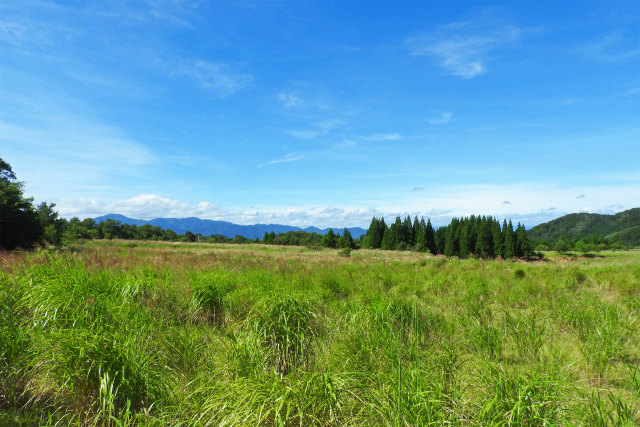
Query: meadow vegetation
x=150, y=333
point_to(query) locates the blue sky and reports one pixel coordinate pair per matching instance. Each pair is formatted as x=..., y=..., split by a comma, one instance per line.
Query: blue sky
x=323, y=113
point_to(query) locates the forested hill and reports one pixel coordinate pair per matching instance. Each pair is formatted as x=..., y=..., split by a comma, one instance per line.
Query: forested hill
x=623, y=226
x=209, y=227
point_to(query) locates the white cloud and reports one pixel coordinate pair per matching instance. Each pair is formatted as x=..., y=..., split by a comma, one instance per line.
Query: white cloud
x=462, y=49
x=286, y=159
x=216, y=77
x=444, y=118
x=320, y=128
x=611, y=48
x=347, y=143
x=382, y=137
x=438, y=204
x=289, y=100
x=143, y=206
x=149, y=206
x=66, y=154
x=306, y=133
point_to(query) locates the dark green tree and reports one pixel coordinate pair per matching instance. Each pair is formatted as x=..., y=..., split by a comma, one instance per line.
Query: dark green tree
x=498, y=240
x=465, y=240
x=52, y=226
x=421, y=236
x=330, y=240
x=484, y=241
x=375, y=233
x=406, y=233
x=440, y=239
x=430, y=237
x=346, y=240
x=523, y=246
x=509, y=250
x=19, y=224
x=451, y=244
x=391, y=237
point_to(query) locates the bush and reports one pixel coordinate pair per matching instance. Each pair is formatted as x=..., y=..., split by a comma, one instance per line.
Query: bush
x=346, y=252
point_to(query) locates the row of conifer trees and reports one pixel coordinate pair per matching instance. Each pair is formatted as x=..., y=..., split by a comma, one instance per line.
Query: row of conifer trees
x=480, y=236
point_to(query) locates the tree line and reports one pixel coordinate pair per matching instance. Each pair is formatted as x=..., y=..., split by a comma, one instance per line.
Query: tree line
x=303, y=238
x=479, y=236
x=22, y=225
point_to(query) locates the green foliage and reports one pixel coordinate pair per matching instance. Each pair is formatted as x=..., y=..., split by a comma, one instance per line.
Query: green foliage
x=622, y=227
x=210, y=290
x=19, y=225
x=345, y=252
x=284, y=326
x=522, y=400
x=463, y=237
x=163, y=334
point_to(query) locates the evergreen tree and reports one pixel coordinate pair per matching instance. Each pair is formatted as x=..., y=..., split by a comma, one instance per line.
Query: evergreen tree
x=372, y=238
x=391, y=238
x=509, y=244
x=330, y=240
x=484, y=241
x=346, y=241
x=524, y=248
x=451, y=245
x=421, y=236
x=440, y=239
x=465, y=233
x=415, y=229
x=430, y=237
x=498, y=241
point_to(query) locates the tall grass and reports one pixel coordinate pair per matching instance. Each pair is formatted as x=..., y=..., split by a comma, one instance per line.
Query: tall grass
x=163, y=334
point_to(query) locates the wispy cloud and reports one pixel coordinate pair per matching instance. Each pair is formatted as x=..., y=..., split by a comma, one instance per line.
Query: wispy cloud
x=289, y=100
x=347, y=143
x=217, y=77
x=462, y=49
x=71, y=154
x=320, y=128
x=444, y=118
x=634, y=91
x=612, y=47
x=286, y=159
x=382, y=137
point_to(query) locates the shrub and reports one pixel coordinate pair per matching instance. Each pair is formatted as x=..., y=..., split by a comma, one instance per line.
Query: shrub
x=346, y=252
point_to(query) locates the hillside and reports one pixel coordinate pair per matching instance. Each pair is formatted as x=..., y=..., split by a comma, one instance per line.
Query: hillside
x=622, y=227
x=209, y=227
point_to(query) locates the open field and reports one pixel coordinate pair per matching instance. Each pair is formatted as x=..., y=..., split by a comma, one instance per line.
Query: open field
x=121, y=332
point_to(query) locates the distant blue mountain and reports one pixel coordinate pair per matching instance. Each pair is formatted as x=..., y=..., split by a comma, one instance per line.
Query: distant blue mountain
x=209, y=227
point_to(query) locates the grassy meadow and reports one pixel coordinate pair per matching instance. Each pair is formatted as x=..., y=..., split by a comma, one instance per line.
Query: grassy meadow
x=143, y=333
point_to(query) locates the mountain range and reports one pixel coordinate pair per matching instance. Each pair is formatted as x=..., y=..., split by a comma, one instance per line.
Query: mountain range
x=622, y=227
x=209, y=227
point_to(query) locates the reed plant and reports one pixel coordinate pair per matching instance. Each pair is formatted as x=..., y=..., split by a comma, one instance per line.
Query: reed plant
x=155, y=333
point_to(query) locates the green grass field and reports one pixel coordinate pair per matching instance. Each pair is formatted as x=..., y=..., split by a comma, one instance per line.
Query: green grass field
x=121, y=333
